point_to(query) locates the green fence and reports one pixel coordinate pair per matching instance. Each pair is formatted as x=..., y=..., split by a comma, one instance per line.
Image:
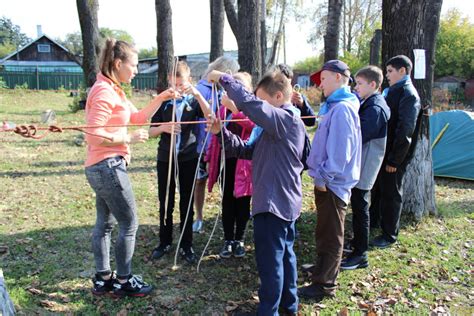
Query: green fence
x=67, y=80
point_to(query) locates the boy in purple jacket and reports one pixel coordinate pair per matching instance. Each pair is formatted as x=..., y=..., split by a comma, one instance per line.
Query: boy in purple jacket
x=276, y=162
x=334, y=164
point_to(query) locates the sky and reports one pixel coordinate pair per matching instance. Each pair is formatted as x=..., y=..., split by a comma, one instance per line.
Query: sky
x=190, y=23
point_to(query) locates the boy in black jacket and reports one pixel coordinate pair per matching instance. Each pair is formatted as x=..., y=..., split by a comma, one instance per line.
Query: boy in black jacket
x=403, y=128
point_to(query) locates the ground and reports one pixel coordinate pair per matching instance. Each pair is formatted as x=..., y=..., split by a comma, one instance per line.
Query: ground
x=47, y=213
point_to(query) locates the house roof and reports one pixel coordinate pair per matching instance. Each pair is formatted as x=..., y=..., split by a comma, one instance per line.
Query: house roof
x=453, y=79
x=31, y=43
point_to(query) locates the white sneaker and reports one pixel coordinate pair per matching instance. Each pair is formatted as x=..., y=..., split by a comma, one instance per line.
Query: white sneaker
x=197, y=226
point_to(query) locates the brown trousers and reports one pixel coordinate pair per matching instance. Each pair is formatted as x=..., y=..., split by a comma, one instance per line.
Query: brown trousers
x=331, y=212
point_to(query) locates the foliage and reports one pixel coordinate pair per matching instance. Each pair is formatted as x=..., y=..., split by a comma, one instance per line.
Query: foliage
x=3, y=84
x=117, y=34
x=48, y=212
x=148, y=53
x=11, y=37
x=314, y=96
x=455, y=46
x=308, y=65
x=445, y=100
x=355, y=63
x=73, y=41
x=78, y=100
x=360, y=18
x=21, y=87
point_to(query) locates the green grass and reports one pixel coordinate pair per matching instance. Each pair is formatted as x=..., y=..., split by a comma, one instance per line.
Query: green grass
x=47, y=212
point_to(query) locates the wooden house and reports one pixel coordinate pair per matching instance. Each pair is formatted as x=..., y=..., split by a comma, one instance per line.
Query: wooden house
x=41, y=55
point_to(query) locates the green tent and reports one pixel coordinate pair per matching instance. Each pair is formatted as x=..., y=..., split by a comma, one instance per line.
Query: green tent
x=452, y=138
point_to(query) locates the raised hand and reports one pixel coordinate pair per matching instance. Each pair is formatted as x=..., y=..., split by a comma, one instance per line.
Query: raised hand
x=190, y=89
x=213, y=124
x=214, y=76
x=168, y=94
x=297, y=99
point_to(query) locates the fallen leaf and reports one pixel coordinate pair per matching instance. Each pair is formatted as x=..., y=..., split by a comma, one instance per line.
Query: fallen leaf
x=47, y=303
x=35, y=291
x=343, y=312
x=123, y=312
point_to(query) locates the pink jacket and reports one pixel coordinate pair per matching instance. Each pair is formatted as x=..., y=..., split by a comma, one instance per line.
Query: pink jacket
x=243, y=169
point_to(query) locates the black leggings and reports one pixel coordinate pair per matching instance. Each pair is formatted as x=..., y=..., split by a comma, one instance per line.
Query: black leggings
x=186, y=179
x=235, y=211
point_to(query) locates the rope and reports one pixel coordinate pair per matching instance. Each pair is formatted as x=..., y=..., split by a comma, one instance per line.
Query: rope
x=221, y=189
x=29, y=131
x=172, y=144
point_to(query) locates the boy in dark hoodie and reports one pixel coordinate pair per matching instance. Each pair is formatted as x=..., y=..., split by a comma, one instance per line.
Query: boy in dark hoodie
x=374, y=114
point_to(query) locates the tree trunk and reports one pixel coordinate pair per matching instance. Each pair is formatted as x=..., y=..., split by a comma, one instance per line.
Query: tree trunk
x=416, y=30
x=164, y=40
x=278, y=35
x=87, y=10
x=245, y=25
x=217, y=29
x=263, y=34
x=331, y=38
x=375, y=44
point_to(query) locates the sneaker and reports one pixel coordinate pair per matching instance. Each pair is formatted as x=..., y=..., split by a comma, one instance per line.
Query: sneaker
x=197, y=226
x=381, y=242
x=160, y=251
x=354, y=261
x=102, y=286
x=188, y=254
x=347, y=248
x=316, y=292
x=238, y=249
x=134, y=287
x=226, y=251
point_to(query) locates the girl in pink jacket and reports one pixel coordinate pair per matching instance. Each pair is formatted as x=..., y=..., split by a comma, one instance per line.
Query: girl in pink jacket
x=237, y=186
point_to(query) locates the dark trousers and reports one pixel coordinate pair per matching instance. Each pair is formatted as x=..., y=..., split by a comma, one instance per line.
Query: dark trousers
x=276, y=263
x=235, y=211
x=360, y=220
x=331, y=212
x=390, y=204
x=374, y=208
x=187, y=170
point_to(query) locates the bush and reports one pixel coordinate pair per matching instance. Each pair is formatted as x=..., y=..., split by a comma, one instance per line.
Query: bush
x=78, y=100
x=445, y=100
x=313, y=95
x=3, y=84
x=23, y=86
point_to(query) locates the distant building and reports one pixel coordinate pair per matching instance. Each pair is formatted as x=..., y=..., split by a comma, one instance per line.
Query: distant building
x=197, y=62
x=43, y=55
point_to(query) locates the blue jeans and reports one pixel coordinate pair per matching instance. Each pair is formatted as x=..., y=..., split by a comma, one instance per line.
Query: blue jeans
x=276, y=263
x=114, y=202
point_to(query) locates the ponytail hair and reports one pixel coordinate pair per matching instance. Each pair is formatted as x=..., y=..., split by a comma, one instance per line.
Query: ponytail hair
x=113, y=50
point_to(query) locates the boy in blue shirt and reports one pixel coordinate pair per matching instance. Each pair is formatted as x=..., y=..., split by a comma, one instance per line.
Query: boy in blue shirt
x=277, y=196
x=334, y=164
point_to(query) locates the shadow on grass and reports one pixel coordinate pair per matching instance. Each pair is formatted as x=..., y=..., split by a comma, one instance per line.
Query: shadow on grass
x=49, y=271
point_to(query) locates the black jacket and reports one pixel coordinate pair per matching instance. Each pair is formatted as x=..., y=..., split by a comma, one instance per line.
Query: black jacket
x=404, y=123
x=188, y=147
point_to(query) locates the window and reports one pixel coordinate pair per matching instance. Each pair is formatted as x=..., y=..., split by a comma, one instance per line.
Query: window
x=44, y=48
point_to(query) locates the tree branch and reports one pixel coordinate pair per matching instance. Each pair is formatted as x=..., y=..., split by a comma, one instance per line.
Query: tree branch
x=232, y=17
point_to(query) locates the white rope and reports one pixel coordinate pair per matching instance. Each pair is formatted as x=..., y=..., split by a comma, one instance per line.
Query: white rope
x=172, y=141
x=221, y=174
x=175, y=266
